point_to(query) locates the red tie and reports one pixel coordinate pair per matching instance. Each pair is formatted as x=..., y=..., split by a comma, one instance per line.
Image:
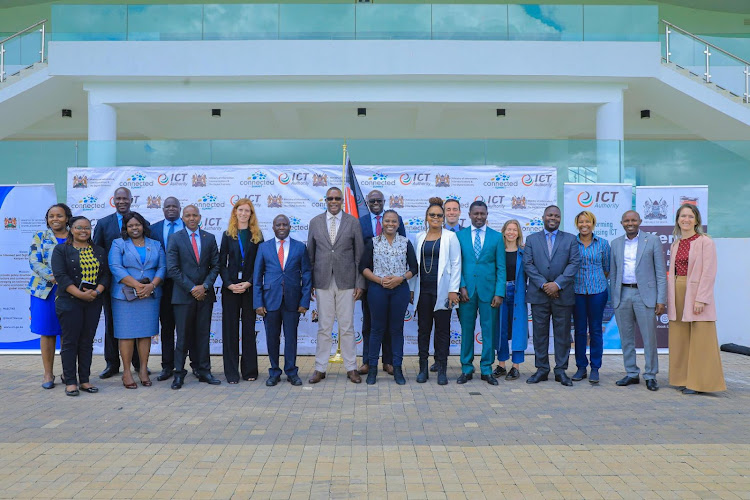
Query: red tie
x=378, y=227
x=195, y=249
x=281, y=254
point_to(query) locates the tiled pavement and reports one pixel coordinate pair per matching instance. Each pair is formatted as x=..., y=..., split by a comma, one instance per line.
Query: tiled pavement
x=340, y=440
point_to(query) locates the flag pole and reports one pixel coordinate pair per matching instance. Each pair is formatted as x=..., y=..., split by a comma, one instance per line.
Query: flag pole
x=337, y=358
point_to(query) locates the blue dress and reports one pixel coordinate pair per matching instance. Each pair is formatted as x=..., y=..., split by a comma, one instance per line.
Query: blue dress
x=43, y=317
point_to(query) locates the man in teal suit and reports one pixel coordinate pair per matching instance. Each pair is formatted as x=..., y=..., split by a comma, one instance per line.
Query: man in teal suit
x=482, y=289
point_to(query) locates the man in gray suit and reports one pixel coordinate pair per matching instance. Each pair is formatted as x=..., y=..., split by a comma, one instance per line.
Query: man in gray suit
x=335, y=245
x=638, y=279
x=551, y=260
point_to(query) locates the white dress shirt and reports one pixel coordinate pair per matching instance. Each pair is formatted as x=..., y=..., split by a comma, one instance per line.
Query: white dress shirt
x=286, y=248
x=630, y=253
x=329, y=216
x=482, y=232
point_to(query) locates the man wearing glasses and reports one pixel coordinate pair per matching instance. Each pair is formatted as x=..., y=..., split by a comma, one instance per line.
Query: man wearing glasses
x=334, y=243
x=372, y=225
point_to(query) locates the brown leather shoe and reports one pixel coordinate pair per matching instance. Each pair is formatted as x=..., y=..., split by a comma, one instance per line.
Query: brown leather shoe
x=353, y=376
x=364, y=369
x=317, y=377
x=388, y=369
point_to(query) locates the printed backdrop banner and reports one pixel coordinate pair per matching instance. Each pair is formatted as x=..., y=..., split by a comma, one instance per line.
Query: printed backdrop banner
x=298, y=191
x=607, y=202
x=658, y=207
x=22, y=208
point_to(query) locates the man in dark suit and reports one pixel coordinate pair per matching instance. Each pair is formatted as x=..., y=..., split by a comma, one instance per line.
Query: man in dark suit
x=161, y=231
x=452, y=210
x=551, y=260
x=107, y=230
x=282, y=282
x=334, y=244
x=193, y=264
x=372, y=225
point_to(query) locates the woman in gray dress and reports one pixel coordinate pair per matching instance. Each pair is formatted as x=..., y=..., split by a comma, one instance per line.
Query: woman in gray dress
x=138, y=266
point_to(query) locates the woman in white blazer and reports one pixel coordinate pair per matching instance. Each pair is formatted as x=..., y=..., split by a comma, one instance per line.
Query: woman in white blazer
x=435, y=289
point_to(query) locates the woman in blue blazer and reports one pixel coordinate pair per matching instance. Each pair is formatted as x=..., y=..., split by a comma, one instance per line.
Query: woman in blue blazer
x=514, y=315
x=138, y=265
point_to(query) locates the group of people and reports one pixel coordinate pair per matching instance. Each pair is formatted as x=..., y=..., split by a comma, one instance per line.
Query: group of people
x=161, y=278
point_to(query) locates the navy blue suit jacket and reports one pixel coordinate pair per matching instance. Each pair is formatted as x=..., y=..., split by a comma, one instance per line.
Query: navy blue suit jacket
x=366, y=222
x=271, y=283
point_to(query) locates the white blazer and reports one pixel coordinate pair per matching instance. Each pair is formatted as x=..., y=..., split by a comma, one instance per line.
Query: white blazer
x=449, y=267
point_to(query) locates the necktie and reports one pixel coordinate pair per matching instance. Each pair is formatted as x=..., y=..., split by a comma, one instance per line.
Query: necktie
x=549, y=244
x=281, y=254
x=477, y=244
x=169, y=233
x=195, y=249
x=332, y=230
x=378, y=227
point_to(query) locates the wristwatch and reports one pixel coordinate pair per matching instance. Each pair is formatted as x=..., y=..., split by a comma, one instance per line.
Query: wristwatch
x=96, y=292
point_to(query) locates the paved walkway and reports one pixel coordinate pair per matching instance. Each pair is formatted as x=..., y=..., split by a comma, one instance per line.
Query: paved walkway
x=340, y=440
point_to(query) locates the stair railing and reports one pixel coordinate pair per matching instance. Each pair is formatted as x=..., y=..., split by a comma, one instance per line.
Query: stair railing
x=40, y=26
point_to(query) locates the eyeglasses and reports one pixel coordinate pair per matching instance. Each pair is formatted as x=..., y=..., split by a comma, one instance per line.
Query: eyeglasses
x=334, y=198
x=435, y=216
x=82, y=228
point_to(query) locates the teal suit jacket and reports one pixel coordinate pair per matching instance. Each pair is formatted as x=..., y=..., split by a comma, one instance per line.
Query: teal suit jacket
x=486, y=275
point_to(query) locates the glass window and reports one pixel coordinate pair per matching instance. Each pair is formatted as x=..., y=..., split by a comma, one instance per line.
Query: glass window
x=165, y=22
x=469, y=22
x=394, y=21
x=240, y=22
x=545, y=22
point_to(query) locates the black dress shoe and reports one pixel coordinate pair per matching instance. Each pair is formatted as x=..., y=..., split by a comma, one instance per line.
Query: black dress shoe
x=499, y=371
x=652, y=385
x=195, y=373
x=580, y=375
x=165, y=374
x=74, y=392
x=537, y=377
x=434, y=367
x=628, y=381
x=90, y=390
x=690, y=391
x=490, y=379
x=513, y=374
x=178, y=381
x=564, y=379
x=209, y=379
x=109, y=371
x=295, y=380
x=464, y=377
x=272, y=381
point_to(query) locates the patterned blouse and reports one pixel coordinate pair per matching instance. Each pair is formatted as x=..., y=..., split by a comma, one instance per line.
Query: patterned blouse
x=683, y=252
x=89, y=264
x=389, y=259
x=40, y=256
x=590, y=279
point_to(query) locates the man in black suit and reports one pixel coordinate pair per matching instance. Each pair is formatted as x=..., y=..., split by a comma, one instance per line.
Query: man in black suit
x=193, y=265
x=551, y=260
x=372, y=225
x=107, y=230
x=161, y=231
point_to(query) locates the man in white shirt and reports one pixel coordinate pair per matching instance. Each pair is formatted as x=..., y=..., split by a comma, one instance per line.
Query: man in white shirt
x=638, y=279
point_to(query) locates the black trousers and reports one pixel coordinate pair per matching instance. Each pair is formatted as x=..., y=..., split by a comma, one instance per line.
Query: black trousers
x=111, y=345
x=366, y=327
x=426, y=317
x=193, y=322
x=236, y=308
x=540, y=317
x=78, y=322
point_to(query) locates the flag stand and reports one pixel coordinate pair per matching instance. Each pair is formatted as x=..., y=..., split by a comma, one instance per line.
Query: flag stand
x=337, y=358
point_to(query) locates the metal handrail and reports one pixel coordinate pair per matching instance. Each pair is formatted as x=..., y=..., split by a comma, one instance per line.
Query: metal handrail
x=709, y=47
x=42, y=56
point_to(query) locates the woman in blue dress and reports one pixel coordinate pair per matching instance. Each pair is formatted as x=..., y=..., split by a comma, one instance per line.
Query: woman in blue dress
x=138, y=266
x=42, y=286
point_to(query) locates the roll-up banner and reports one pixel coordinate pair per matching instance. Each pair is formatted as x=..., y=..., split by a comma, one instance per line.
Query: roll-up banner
x=658, y=207
x=607, y=202
x=298, y=191
x=22, y=209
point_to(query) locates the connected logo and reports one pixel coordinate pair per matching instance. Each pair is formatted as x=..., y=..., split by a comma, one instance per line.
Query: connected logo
x=88, y=202
x=585, y=199
x=209, y=201
x=535, y=222
x=500, y=180
x=136, y=180
x=258, y=179
x=453, y=197
x=414, y=224
x=455, y=337
x=295, y=224
x=378, y=179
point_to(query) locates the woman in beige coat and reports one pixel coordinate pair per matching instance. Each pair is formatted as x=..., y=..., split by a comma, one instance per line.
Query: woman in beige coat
x=694, y=359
